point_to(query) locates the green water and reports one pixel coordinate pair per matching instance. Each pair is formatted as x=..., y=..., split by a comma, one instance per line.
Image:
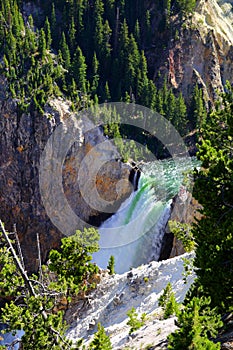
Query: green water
x=134, y=233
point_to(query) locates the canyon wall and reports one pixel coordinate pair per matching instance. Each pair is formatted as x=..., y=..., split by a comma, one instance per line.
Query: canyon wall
x=23, y=139
x=195, y=49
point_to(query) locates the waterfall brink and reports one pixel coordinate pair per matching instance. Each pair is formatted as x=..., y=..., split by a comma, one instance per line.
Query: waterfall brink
x=133, y=235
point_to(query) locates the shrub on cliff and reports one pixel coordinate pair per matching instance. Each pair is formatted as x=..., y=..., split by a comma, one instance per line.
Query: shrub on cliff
x=101, y=340
x=111, y=264
x=72, y=264
x=36, y=301
x=196, y=322
x=182, y=231
x=134, y=322
x=168, y=302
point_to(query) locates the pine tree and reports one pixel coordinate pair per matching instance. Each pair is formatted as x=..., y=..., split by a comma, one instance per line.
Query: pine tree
x=53, y=24
x=124, y=40
x=48, y=33
x=186, y=6
x=171, y=106
x=146, y=90
x=110, y=266
x=134, y=322
x=79, y=69
x=107, y=95
x=105, y=45
x=214, y=190
x=137, y=32
x=41, y=317
x=17, y=24
x=148, y=27
x=101, y=341
x=151, y=93
x=199, y=112
x=30, y=38
x=42, y=44
x=95, y=74
x=196, y=323
x=72, y=36
x=65, y=52
x=98, y=34
x=159, y=106
x=180, y=120
x=132, y=64
x=11, y=48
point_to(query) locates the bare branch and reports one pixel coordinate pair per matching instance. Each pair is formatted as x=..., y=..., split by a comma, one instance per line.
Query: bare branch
x=29, y=284
x=17, y=261
x=39, y=258
x=18, y=246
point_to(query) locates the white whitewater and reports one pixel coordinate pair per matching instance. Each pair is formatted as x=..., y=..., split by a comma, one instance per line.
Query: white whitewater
x=133, y=235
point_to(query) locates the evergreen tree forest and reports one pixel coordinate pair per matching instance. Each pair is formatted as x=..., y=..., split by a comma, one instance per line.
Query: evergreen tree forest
x=89, y=52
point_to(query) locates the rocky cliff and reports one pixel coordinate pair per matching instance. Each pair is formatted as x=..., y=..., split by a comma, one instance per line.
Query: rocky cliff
x=185, y=209
x=23, y=139
x=139, y=288
x=197, y=49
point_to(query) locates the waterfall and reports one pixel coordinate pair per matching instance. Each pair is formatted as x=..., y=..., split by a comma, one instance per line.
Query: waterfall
x=133, y=235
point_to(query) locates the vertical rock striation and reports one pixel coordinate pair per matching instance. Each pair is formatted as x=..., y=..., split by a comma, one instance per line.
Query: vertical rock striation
x=198, y=49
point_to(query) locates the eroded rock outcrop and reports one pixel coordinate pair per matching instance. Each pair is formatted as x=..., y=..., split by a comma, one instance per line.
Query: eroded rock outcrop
x=117, y=294
x=197, y=50
x=185, y=209
x=23, y=139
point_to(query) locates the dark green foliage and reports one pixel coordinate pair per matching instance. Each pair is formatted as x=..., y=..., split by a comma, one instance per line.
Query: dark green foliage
x=82, y=50
x=72, y=36
x=137, y=32
x=110, y=266
x=53, y=22
x=134, y=322
x=36, y=304
x=188, y=268
x=180, y=121
x=198, y=109
x=79, y=69
x=101, y=341
x=42, y=46
x=48, y=33
x=65, y=52
x=196, y=322
x=186, y=6
x=106, y=95
x=168, y=302
x=95, y=75
x=183, y=232
x=214, y=190
x=73, y=264
x=32, y=75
